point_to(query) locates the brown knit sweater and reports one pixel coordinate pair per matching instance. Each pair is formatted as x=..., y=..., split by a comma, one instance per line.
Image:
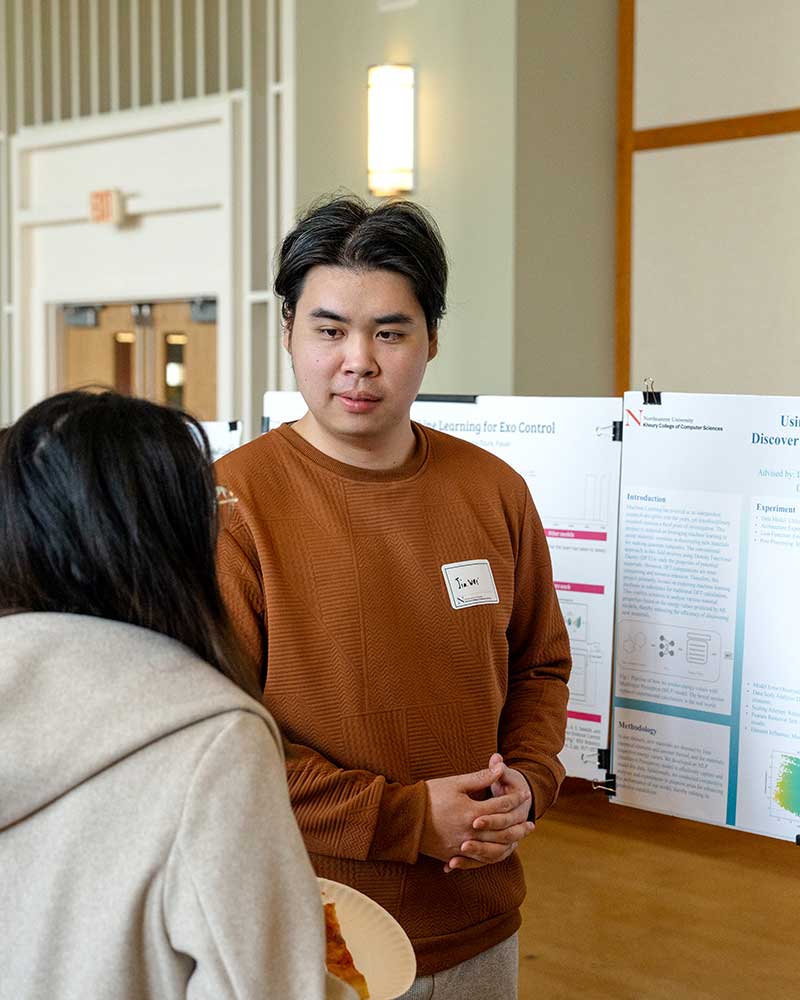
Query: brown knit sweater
x=333, y=576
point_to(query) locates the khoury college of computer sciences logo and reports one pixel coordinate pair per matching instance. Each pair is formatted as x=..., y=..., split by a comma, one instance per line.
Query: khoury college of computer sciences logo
x=633, y=418
x=672, y=422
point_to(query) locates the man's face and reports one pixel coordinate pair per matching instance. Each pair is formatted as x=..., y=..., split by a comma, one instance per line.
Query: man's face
x=359, y=345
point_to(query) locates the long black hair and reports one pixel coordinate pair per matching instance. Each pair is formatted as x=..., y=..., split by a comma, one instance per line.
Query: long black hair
x=108, y=508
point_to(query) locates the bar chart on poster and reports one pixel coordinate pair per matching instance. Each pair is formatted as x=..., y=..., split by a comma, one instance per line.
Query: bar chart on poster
x=706, y=719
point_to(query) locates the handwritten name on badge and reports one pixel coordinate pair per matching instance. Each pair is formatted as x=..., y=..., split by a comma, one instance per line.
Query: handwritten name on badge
x=470, y=583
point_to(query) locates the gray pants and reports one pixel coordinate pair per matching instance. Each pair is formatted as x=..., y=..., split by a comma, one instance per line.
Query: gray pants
x=492, y=975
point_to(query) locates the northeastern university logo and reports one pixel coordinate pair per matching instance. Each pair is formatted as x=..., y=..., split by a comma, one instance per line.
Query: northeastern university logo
x=633, y=417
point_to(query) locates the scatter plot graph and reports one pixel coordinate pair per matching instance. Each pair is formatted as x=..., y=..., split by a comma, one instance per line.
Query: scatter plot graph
x=785, y=787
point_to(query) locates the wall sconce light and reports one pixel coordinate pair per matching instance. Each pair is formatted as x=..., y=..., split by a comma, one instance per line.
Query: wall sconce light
x=390, y=144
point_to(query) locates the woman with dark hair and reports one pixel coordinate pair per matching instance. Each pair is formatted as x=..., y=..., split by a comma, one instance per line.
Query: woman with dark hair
x=147, y=844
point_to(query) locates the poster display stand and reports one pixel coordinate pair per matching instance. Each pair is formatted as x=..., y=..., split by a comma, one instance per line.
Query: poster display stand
x=673, y=522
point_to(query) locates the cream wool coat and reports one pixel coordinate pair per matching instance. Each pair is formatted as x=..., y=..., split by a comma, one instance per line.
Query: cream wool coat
x=147, y=845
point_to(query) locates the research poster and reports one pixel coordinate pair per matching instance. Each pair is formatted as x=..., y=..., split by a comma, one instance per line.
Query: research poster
x=706, y=721
x=223, y=436
x=280, y=408
x=566, y=451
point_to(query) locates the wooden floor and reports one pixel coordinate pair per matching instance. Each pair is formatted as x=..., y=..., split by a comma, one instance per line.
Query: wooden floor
x=625, y=904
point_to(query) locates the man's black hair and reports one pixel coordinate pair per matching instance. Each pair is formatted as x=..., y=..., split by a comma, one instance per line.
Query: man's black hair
x=344, y=231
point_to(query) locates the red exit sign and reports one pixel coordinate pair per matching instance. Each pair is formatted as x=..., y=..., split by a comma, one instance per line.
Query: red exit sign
x=106, y=206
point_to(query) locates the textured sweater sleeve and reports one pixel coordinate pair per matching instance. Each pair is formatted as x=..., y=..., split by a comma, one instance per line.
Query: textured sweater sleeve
x=342, y=813
x=243, y=596
x=240, y=897
x=533, y=721
x=354, y=814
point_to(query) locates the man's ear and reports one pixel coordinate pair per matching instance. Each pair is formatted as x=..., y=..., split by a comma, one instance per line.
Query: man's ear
x=433, y=343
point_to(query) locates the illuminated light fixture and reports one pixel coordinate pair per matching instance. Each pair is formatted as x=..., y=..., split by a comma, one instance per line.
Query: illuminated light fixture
x=175, y=374
x=390, y=143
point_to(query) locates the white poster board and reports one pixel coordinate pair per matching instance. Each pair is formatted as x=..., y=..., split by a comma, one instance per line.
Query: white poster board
x=223, y=436
x=707, y=668
x=281, y=408
x=566, y=452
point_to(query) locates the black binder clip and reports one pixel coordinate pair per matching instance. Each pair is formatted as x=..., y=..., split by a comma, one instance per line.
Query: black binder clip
x=609, y=785
x=444, y=397
x=612, y=430
x=651, y=397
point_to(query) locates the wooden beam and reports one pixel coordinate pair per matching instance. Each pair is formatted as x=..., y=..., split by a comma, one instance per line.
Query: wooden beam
x=718, y=130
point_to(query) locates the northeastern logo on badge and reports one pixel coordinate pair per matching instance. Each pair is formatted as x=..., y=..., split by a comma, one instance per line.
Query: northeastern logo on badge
x=470, y=583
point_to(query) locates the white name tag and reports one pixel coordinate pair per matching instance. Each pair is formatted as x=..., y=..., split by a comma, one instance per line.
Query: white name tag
x=470, y=583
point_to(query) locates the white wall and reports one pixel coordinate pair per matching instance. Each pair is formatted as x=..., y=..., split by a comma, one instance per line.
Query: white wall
x=716, y=252
x=178, y=170
x=516, y=161
x=565, y=184
x=101, y=78
x=464, y=52
x=716, y=226
x=704, y=59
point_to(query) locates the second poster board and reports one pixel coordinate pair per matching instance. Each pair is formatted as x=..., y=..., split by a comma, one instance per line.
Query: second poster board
x=707, y=670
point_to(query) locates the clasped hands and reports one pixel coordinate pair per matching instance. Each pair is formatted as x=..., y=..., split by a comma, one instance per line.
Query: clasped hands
x=476, y=819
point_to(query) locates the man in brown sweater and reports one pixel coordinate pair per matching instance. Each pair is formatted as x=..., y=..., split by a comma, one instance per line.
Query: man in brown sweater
x=392, y=589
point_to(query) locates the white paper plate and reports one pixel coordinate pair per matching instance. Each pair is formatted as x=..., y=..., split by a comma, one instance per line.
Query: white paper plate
x=378, y=944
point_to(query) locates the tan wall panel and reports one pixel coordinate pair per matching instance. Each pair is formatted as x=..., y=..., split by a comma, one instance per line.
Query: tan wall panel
x=565, y=163
x=705, y=59
x=716, y=238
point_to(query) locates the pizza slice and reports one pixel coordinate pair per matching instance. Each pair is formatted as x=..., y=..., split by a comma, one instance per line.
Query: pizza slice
x=338, y=958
